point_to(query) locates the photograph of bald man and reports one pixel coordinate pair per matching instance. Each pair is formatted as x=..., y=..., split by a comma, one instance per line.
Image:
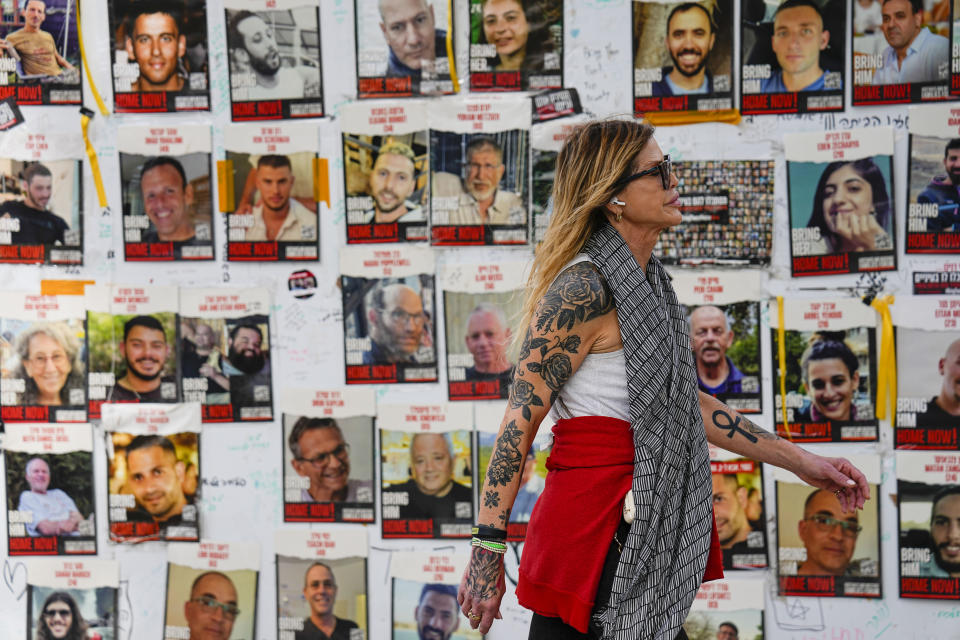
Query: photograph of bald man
x=54, y=512
x=487, y=338
x=320, y=592
x=690, y=37
x=409, y=29
x=398, y=326
x=212, y=607
x=391, y=182
x=944, y=408
x=829, y=536
x=710, y=338
x=431, y=490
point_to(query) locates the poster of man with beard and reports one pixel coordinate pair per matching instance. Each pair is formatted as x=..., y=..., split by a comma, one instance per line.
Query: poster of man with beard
x=225, y=353
x=424, y=596
x=132, y=338
x=933, y=200
x=928, y=507
x=683, y=56
x=66, y=594
x=273, y=50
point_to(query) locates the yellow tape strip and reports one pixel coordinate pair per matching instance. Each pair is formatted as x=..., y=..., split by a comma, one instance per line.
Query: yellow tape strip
x=225, y=185
x=94, y=163
x=450, y=57
x=321, y=180
x=668, y=118
x=63, y=287
x=86, y=70
x=887, y=367
x=782, y=371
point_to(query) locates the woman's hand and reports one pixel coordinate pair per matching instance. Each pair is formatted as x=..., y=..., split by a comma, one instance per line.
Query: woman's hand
x=482, y=589
x=860, y=232
x=837, y=475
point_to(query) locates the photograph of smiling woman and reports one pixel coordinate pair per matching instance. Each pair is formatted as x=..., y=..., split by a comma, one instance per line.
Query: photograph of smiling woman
x=517, y=45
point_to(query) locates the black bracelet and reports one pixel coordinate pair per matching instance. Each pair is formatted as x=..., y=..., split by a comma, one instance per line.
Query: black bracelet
x=489, y=533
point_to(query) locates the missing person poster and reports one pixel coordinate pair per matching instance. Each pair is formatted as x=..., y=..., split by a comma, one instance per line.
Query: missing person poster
x=516, y=46
x=322, y=583
x=723, y=311
x=225, y=357
x=928, y=365
x=936, y=283
x=482, y=305
x=40, y=53
x=830, y=369
x=727, y=609
x=160, y=56
x=386, y=175
x=389, y=314
x=533, y=469
x=727, y=209
x=933, y=201
x=404, y=49
x=132, y=342
x=901, y=52
x=273, y=51
x=64, y=595
x=167, y=192
x=269, y=179
x=425, y=583
x=426, y=462
x=49, y=476
x=841, y=201
x=793, y=56
x=739, y=509
x=824, y=551
x=928, y=509
x=41, y=194
x=682, y=56
x=43, y=349
x=211, y=588
x=328, y=454
x=546, y=139
x=479, y=171
x=153, y=471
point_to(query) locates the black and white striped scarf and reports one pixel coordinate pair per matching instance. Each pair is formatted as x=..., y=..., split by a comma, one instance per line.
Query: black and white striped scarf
x=665, y=554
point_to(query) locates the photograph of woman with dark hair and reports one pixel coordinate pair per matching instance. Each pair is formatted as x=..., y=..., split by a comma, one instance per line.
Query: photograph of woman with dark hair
x=851, y=207
x=831, y=375
x=520, y=31
x=60, y=619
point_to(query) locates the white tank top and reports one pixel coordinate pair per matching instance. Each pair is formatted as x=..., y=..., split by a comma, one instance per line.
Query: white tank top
x=598, y=387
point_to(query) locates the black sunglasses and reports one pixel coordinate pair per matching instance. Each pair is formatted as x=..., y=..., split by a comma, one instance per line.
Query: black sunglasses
x=664, y=168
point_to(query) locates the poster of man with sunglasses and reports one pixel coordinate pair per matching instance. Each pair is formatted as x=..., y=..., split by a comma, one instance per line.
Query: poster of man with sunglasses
x=479, y=181
x=211, y=590
x=388, y=311
x=328, y=455
x=727, y=209
x=928, y=505
x=74, y=599
x=683, y=56
x=822, y=549
x=830, y=368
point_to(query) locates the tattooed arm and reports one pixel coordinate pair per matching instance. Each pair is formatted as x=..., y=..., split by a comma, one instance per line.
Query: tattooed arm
x=730, y=430
x=575, y=317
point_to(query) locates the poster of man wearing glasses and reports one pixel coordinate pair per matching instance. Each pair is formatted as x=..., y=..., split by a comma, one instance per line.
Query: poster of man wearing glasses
x=328, y=455
x=66, y=594
x=823, y=550
x=211, y=586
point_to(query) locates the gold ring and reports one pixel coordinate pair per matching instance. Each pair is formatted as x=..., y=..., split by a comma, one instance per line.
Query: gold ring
x=473, y=616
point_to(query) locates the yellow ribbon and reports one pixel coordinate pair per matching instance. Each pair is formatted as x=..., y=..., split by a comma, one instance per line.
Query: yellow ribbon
x=887, y=367
x=668, y=118
x=86, y=71
x=450, y=57
x=92, y=156
x=225, y=185
x=321, y=180
x=782, y=371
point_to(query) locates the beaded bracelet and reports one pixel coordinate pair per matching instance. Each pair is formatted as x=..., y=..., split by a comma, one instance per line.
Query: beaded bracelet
x=490, y=533
x=489, y=545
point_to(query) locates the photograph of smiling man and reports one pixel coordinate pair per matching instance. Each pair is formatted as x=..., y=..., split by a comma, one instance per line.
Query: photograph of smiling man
x=683, y=55
x=159, y=55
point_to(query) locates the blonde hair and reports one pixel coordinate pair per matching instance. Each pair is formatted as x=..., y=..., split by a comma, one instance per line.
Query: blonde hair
x=593, y=158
